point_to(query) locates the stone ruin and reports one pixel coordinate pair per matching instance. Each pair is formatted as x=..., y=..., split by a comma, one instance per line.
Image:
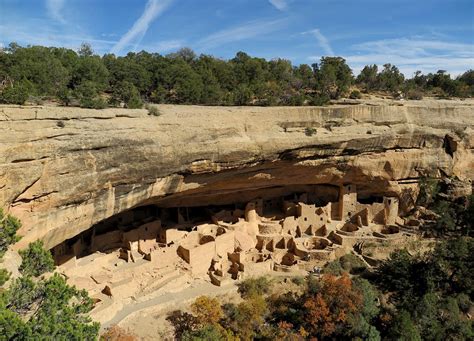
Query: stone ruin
x=280, y=234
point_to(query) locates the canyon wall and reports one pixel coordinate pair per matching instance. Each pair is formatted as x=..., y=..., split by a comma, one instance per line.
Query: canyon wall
x=64, y=169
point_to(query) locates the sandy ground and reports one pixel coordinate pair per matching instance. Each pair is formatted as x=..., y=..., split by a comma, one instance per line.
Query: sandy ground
x=147, y=319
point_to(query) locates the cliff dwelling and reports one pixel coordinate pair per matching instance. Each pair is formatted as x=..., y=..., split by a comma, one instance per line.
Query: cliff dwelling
x=296, y=232
x=134, y=208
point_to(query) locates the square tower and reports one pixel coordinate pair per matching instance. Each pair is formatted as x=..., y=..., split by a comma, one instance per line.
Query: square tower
x=390, y=210
x=347, y=201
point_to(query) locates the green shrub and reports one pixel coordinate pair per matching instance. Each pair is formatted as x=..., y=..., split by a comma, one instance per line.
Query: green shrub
x=65, y=96
x=352, y=264
x=4, y=276
x=355, y=94
x=152, y=110
x=36, y=260
x=8, y=227
x=208, y=333
x=15, y=94
x=429, y=189
x=88, y=96
x=309, y=131
x=298, y=280
x=254, y=287
x=319, y=100
x=135, y=102
x=333, y=268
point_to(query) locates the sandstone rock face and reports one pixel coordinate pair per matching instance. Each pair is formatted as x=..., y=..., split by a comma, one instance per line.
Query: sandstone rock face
x=64, y=169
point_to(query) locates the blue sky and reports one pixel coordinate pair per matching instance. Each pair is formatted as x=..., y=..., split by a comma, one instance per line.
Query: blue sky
x=422, y=35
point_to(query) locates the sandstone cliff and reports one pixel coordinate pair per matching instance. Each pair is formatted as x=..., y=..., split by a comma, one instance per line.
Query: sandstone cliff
x=64, y=169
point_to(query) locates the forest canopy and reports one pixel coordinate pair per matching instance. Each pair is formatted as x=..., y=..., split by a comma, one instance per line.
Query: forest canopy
x=82, y=78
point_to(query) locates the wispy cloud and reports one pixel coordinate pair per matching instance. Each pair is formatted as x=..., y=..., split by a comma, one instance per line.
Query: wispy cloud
x=55, y=8
x=245, y=31
x=410, y=54
x=164, y=46
x=38, y=32
x=280, y=5
x=415, y=53
x=322, y=41
x=152, y=10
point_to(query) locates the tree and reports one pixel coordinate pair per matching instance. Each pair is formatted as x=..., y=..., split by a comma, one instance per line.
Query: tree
x=50, y=308
x=403, y=328
x=16, y=93
x=333, y=76
x=304, y=73
x=445, y=224
x=4, y=276
x=429, y=189
x=455, y=257
x=390, y=78
x=88, y=96
x=128, y=93
x=207, y=310
x=85, y=50
x=9, y=225
x=208, y=333
x=36, y=260
x=329, y=308
x=362, y=322
x=254, y=287
x=368, y=77
x=62, y=312
x=184, y=53
x=90, y=70
x=186, y=84
x=247, y=318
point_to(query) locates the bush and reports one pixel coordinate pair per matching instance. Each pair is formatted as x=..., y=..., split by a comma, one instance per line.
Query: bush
x=152, y=110
x=309, y=131
x=15, y=94
x=352, y=264
x=254, y=287
x=333, y=268
x=208, y=333
x=36, y=260
x=127, y=93
x=429, y=189
x=4, y=276
x=355, y=94
x=298, y=280
x=8, y=227
x=65, y=96
x=88, y=96
x=207, y=310
x=319, y=100
x=135, y=102
x=414, y=94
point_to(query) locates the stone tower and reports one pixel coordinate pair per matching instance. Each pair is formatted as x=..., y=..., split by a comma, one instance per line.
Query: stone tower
x=347, y=201
x=390, y=210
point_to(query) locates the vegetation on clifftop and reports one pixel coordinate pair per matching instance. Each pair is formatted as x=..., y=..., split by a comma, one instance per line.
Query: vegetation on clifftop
x=37, y=73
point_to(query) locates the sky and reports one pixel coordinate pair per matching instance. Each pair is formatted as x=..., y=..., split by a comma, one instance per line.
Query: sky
x=426, y=35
